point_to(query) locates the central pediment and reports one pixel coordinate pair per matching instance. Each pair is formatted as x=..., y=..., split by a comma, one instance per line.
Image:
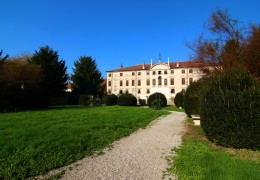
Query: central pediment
x=160, y=66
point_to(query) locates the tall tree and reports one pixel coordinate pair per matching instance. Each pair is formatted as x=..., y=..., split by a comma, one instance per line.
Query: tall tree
x=223, y=50
x=86, y=78
x=2, y=80
x=251, y=49
x=53, y=70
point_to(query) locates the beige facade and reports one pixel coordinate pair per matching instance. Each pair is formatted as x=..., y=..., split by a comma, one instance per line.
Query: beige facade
x=143, y=80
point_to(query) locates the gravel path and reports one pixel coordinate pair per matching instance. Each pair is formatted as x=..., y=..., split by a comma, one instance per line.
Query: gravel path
x=141, y=155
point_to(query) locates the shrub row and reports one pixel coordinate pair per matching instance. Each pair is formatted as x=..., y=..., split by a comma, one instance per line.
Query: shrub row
x=229, y=108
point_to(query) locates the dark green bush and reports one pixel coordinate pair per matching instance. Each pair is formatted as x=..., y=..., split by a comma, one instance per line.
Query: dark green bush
x=127, y=100
x=158, y=96
x=191, y=97
x=96, y=102
x=230, y=110
x=142, y=102
x=178, y=99
x=157, y=104
x=110, y=100
x=85, y=99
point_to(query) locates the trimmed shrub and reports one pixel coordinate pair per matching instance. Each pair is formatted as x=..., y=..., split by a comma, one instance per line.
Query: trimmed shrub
x=97, y=102
x=110, y=100
x=84, y=99
x=127, y=100
x=142, y=102
x=178, y=100
x=191, y=97
x=161, y=97
x=157, y=104
x=230, y=110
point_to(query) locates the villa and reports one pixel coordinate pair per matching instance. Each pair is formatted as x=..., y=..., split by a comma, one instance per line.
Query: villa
x=142, y=80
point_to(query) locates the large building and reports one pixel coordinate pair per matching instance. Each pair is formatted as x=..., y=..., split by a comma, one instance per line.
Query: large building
x=145, y=79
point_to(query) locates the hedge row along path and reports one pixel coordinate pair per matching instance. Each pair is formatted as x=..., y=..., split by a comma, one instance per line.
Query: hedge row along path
x=141, y=155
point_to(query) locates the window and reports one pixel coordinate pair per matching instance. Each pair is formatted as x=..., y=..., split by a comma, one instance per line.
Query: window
x=172, y=91
x=154, y=72
x=109, y=75
x=121, y=74
x=154, y=82
x=165, y=72
x=121, y=83
x=127, y=83
x=126, y=91
x=109, y=91
x=183, y=71
x=133, y=73
x=120, y=92
x=165, y=82
x=139, y=82
x=148, y=91
x=147, y=73
x=190, y=70
x=148, y=82
x=159, y=72
x=172, y=81
x=133, y=82
x=139, y=91
x=183, y=81
x=191, y=80
x=139, y=73
x=109, y=83
x=159, y=80
x=172, y=71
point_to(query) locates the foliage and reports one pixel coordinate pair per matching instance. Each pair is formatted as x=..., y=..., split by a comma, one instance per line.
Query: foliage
x=142, y=102
x=3, y=105
x=199, y=159
x=33, y=142
x=127, y=100
x=53, y=71
x=85, y=99
x=179, y=98
x=157, y=104
x=191, y=97
x=161, y=97
x=110, y=100
x=229, y=46
x=21, y=84
x=230, y=110
x=86, y=78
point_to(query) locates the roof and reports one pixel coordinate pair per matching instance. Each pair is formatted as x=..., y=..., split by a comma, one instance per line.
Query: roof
x=173, y=65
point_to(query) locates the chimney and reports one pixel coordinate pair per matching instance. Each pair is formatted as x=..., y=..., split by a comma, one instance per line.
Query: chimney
x=177, y=65
x=169, y=61
x=121, y=65
x=151, y=63
x=143, y=65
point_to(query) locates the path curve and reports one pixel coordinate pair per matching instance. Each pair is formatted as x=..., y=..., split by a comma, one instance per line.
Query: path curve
x=142, y=155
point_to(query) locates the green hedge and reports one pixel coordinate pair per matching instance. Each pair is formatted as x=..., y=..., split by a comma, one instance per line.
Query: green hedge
x=127, y=100
x=178, y=99
x=230, y=110
x=110, y=100
x=191, y=97
x=157, y=100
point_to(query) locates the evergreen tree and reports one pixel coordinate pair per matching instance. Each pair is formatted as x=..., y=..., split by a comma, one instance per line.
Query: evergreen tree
x=53, y=71
x=86, y=78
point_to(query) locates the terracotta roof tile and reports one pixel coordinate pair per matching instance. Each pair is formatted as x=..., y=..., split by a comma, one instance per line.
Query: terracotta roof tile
x=148, y=66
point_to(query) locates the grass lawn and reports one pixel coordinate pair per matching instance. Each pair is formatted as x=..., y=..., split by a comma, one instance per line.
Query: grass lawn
x=197, y=158
x=34, y=142
x=173, y=108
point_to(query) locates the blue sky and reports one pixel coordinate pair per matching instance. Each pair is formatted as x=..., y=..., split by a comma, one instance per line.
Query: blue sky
x=112, y=31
